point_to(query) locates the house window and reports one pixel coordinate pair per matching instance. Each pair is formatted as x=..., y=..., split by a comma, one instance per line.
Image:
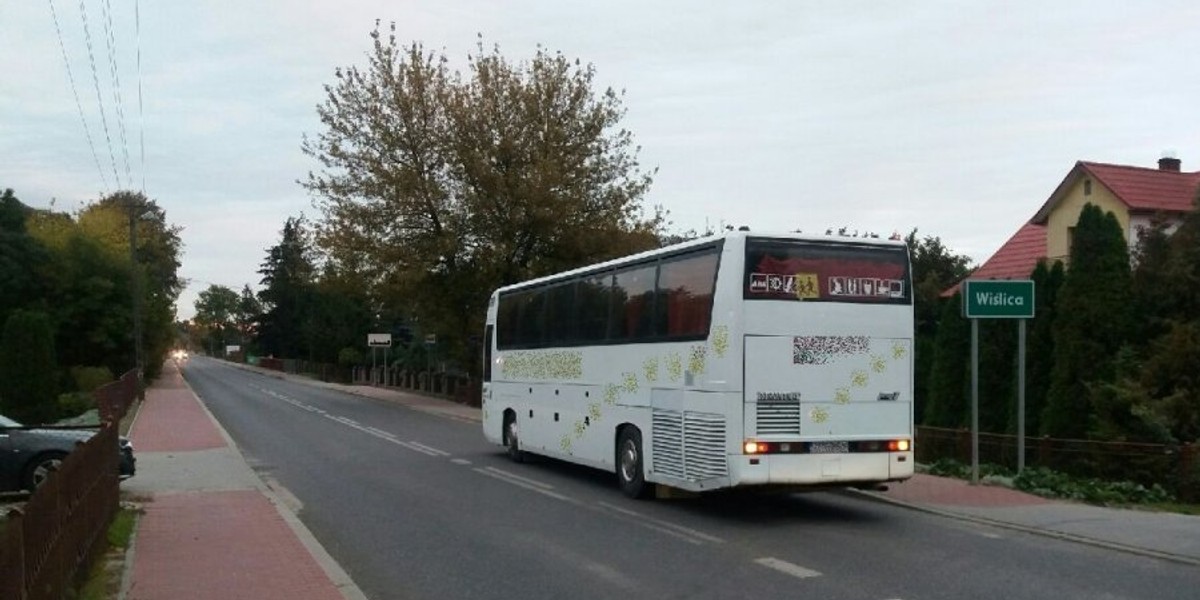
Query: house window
x=1087, y=187
x=1070, y=240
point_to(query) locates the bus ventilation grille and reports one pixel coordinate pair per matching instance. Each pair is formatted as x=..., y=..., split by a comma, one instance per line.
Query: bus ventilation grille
x=778, y=417
x=689, y=445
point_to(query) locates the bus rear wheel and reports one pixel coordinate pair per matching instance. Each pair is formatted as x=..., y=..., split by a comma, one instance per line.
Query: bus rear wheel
x=630, y=472
x=511, y=440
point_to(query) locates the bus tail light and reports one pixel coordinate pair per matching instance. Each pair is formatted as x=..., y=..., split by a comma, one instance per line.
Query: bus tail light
x=899, y=446
x=753, y=447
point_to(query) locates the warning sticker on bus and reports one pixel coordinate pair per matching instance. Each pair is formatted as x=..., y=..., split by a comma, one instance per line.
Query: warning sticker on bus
x=788, y=271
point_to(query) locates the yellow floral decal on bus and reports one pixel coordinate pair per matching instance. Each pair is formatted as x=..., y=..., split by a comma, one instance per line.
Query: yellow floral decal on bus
x=674, y=366
x=720, y=340
x=842, y=395
x=566, y=364
x=611, y=392
x=818, y=415
x=631, y=382
x=898, y=350
x=858, y=378
x=699, y=356
x=878, y=363
x=650, y=369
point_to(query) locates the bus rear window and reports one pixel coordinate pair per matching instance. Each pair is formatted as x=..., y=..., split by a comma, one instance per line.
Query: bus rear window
x=808, y=271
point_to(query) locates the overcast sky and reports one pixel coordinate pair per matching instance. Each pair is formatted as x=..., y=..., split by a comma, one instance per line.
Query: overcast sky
x=955, y=118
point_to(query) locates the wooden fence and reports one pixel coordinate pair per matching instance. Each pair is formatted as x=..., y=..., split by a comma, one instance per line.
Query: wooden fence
x=46, y=545
x=1176, y=468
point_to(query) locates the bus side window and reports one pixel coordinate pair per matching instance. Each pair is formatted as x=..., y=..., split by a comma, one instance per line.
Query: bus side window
x=560, y=314
x=685, y=295
x=633, y=303
x=593, y=299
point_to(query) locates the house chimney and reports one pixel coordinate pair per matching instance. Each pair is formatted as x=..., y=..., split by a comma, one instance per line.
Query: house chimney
x=1169, y=163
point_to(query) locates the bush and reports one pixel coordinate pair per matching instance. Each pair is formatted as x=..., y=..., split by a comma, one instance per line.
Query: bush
x=87, y=379
x=74, y=404
x=350, y=357
x=1052, y=484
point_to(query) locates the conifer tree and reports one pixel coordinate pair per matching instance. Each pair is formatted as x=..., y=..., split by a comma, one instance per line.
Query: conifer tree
x=28, y=368
x=949, y=377
x=1091, y=323
x=1039, y=345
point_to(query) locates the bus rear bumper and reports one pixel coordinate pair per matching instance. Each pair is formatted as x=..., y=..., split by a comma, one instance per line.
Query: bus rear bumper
x=820, y=469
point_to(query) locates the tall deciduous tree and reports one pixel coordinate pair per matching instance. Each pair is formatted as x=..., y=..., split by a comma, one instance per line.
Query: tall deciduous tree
x=1091, y=323
x=158, y=246
x=448, y=185
x=216, y=311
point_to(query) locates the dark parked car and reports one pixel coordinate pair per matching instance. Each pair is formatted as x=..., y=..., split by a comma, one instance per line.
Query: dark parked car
x=29, y=454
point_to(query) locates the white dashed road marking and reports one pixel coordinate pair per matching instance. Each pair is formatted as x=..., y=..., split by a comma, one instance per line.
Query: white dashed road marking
x=788, y=568
x=686, y=533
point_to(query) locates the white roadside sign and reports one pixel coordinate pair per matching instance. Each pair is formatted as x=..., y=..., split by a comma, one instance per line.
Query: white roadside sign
x=379, y=340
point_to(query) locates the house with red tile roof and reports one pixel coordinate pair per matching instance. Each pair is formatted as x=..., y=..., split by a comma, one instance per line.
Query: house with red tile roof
x=1135, y=195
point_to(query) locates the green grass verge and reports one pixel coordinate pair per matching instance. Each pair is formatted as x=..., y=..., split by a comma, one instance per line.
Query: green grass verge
x=1052, y=484
x=104, y=577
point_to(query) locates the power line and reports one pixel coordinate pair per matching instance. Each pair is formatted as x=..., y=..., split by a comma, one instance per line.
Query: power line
x=87, y=34
x=137, y=23
x=111, y=40
x=75, y=92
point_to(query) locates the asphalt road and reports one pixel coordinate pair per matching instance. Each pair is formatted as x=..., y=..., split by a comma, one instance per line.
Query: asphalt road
x=415, y=505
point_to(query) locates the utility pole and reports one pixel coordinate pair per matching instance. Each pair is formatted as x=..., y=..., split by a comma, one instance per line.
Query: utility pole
x=136, y=287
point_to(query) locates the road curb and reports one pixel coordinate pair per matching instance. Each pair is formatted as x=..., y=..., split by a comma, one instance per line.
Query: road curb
x=1050, y=533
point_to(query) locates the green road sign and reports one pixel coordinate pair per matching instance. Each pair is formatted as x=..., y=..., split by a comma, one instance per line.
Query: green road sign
x=991, y=299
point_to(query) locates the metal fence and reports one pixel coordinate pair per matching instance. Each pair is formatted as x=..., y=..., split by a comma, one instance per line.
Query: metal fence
x=459, y=388
x=1174, y=467
x=47, y=544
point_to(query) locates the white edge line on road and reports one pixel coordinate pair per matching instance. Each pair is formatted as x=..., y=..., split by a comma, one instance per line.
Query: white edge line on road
x=522, y=484
x=460, y=461
x=510, y=475
x=430, y=449
x=788, y=568
x=688, y=531
x=408, y=446
x=381, y=433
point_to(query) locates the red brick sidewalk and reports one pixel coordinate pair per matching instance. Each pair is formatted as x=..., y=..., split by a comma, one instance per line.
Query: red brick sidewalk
x=173, y=421
x=944, y=491
x=222, y=545
x=209, y=544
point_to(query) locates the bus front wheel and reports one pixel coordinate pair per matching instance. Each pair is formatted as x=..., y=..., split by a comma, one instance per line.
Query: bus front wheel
x=629, y=463
x=511, y=442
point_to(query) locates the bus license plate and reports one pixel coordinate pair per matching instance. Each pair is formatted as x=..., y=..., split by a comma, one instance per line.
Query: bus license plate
x=829, y=447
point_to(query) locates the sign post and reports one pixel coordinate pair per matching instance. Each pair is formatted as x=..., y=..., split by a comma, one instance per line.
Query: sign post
x=991, y=299
x=378, y=340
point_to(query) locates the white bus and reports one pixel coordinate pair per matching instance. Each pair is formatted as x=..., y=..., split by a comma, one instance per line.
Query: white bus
x=740, y=360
